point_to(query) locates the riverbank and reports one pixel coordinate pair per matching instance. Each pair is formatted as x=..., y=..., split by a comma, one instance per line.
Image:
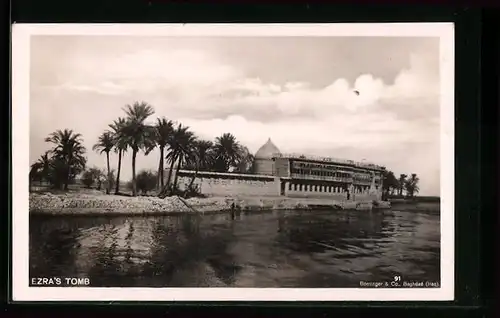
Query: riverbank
x=87, y=203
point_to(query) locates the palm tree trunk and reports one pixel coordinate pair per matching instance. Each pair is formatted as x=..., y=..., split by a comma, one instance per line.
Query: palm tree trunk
x=134, y=186
x=194, y=176
x=162, y=149
x=170, y=171
x=66, y=182
x=177, y=173
x=117, y=187
x=164, y=190
x=108, y=188
x=158, y=175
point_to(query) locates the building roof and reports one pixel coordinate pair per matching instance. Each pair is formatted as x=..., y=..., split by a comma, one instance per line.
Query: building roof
x=267, y=150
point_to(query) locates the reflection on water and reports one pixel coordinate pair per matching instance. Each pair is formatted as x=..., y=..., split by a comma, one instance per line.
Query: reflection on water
x=274, y=249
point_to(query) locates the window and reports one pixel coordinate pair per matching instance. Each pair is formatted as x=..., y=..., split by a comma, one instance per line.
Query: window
x=289, y=186
x=300, y=187
x=295, y=187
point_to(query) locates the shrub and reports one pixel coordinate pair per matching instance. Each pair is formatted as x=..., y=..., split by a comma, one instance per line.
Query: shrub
x=145, y=181
x=88, y=179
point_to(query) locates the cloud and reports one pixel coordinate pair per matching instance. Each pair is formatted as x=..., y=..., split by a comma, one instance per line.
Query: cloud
x=394, y=124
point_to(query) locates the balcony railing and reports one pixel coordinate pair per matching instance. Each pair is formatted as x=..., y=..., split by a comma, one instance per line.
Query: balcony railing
x=328, y=159
x=362, y=182
x=321, y=178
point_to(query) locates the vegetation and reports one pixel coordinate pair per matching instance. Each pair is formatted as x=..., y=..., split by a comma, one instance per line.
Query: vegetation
x=396, y=187
x=137, y=135
x=98, y=177
x=105, y=144
x=60, y=165
x=179, y=148
x=145, y=181
x=120, y=145
x=164, y=131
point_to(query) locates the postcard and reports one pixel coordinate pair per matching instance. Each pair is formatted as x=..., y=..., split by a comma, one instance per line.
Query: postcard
x=233, y=162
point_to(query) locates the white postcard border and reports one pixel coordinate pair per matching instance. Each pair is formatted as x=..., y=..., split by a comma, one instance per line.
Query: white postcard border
x=21, y=291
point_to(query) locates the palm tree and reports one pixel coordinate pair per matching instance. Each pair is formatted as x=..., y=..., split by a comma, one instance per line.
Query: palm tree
x=389, y=183
x=402, y=180
x=120, y=142
x=227, y=152
x=41, y=168
x=163, y=132
x=179, y=150
x=105, y=143
x=201, y=157
x=68, y=154
x=245, y=162
x=137, y=134
x=184, y=140
x=412, y=185
x=35, y=173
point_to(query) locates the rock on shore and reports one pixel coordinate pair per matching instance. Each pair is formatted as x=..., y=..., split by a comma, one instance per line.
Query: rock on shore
x=82, y=203
x=85, y=203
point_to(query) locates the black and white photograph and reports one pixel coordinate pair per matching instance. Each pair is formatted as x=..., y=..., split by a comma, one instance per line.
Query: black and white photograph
x=233, y=162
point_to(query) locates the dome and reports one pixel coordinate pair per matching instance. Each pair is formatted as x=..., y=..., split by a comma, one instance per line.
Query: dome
x=267, y=150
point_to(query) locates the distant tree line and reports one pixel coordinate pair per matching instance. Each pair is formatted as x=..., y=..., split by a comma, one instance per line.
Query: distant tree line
x=179, y=147
x=396, y=187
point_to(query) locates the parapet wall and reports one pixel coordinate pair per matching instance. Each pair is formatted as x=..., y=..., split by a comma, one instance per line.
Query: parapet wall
x=228, y=184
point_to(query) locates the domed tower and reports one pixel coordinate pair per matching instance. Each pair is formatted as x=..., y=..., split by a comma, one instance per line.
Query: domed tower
x=264, y=158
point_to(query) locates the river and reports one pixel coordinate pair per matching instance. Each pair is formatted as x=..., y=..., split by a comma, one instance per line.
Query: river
x=267, y=249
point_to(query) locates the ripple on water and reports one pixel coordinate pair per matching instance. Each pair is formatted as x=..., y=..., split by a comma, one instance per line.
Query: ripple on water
x=279, y=249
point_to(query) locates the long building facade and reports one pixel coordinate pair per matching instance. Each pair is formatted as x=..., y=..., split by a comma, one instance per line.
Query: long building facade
x=310, y=176
x=294, y=175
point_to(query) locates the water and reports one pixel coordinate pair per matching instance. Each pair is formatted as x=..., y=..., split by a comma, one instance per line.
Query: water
x=274, y=249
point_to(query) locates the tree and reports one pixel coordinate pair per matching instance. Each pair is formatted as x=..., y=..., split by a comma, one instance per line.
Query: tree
x=137, y=134
x=411, y=185
x=389, y=182
x=120, y=142
x=201, y=157
x=185, y=140
x=35, y=174
x=67, y=156
x=105, y=143
x=227, y=152
x=111, y=178
x=93, y=176
x=180, y=146
x=402, y=181
x=88, y=179
x=164, y=130
x=146, y=181
x=245, y=162
x=40, y=170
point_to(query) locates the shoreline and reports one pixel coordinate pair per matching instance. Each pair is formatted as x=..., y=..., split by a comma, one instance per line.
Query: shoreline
x=102, y=204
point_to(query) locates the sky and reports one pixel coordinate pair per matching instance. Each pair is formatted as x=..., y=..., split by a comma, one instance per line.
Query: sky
x=298, y=91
